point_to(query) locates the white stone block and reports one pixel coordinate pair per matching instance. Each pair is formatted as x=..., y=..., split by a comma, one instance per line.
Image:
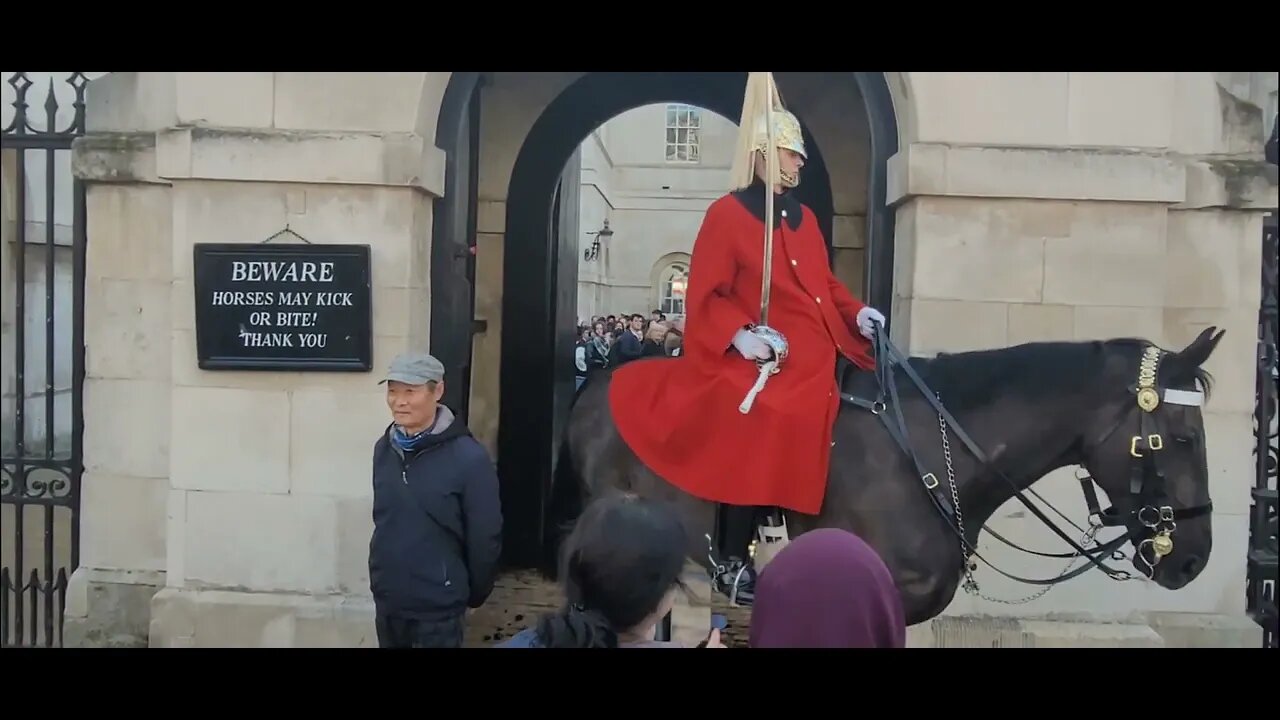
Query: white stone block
x=1040, y=323
x=207, y=212
x=1199, y=630
x=1049, y=634
x=132, y=233
x=1229, y=450
x=131, y=101
x=957, y=325
x=1121, y=109
x=227, y=439
x=127, y=427
x=959, y=255
x=354, y=530
x=1234, y=362
x=227, y=99
x=261, y=543
x=1197, y=114
x=849, y=231
x=1114, y=257
x=332, y=436
x=176, y=537
x=1036, y=173
x=127, y=325
x=1103, y=322
x=991, y=108
x=123, y=519
x=371, y=101
x=385, y=159
x=1205, y=267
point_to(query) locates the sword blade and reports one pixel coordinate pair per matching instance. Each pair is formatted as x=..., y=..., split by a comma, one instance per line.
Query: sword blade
x=771, y=171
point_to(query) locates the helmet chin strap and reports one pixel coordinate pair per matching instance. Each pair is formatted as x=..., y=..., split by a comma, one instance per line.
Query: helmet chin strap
x=790, y=178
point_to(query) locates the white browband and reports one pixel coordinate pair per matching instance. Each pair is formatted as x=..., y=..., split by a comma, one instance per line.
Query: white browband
x=1193, y=398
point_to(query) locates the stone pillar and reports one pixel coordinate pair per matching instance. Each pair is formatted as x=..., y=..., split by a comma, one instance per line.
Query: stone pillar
x=127, y=388
x=1073, y=206
x=242, y=497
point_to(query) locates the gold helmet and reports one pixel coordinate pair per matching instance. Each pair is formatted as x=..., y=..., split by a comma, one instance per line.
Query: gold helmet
x=753, y=135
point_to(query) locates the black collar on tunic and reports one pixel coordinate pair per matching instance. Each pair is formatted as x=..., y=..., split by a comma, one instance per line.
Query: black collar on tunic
x=752, y=198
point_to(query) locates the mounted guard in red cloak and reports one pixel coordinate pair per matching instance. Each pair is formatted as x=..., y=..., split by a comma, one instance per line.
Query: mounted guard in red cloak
x=744, y=416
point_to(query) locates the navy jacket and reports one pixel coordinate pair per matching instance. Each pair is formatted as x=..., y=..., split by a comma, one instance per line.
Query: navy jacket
x=437, y=524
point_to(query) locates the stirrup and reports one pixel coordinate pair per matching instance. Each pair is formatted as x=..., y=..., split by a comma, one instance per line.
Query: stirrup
x=735, y=579
x=737, y=582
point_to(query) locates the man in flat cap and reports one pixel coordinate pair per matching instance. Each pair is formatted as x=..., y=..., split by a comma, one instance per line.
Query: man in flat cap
x=437, y=517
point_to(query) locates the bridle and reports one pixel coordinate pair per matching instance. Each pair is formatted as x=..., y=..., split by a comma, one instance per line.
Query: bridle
x=1142, y=512
x=1145, y=514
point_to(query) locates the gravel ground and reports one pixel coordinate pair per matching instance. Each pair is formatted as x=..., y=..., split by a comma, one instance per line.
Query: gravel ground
x=520, y=597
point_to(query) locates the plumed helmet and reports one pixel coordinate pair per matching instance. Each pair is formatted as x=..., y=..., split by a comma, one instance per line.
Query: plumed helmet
x=762, y=100
x=786, y=133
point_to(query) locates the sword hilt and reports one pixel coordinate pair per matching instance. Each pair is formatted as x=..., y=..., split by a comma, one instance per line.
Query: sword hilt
x=766, y=369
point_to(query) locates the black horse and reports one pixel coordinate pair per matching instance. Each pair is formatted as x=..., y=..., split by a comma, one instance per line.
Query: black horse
x=1125, y=411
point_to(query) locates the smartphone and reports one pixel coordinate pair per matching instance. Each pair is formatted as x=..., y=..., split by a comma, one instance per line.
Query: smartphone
x=719, y=622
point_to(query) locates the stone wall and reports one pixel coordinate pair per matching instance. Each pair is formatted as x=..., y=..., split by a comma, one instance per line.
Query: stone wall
x=242, y=498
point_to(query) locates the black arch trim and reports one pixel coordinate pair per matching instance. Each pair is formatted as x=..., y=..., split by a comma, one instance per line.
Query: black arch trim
x=453, y=228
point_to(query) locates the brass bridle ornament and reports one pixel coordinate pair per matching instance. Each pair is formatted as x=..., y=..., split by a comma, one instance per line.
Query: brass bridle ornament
x=1146, y=482
x=1160, y=520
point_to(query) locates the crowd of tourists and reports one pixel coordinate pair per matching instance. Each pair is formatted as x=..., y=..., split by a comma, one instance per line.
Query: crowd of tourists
x=612, y=340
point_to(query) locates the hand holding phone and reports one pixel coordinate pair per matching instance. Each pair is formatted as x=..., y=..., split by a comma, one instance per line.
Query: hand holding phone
x=712, y=641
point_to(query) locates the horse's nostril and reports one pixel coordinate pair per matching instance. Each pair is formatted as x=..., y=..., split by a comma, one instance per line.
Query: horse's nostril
x=1192, y=565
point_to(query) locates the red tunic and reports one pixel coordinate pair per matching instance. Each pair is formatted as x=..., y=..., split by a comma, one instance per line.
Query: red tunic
x=680, y=415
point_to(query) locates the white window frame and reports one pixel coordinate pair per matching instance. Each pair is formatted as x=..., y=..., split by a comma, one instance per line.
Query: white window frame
x=682, y=133
x=668, y=302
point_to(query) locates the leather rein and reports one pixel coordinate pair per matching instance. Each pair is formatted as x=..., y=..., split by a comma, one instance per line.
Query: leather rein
x=1141, y=516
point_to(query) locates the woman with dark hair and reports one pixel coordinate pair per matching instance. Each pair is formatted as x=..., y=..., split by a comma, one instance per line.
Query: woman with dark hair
x=620, y=569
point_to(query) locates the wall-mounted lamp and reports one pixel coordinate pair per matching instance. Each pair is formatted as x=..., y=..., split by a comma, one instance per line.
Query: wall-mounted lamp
x=603, y=233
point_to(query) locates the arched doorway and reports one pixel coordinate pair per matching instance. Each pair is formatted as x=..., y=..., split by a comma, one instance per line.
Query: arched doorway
x=539, y=272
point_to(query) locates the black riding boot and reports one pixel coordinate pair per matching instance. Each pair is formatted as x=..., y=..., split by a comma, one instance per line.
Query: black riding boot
x=733, y=575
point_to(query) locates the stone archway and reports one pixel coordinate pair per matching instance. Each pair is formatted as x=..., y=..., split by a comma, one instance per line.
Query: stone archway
x=539, y=273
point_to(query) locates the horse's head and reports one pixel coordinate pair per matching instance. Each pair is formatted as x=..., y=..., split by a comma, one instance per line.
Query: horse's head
x=1148, y=455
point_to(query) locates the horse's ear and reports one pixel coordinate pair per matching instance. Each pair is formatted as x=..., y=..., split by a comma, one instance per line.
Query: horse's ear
x=1195, y=354
x=1186, y=363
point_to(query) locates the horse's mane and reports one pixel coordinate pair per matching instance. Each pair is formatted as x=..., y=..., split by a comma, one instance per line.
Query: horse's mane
x=1032, y=370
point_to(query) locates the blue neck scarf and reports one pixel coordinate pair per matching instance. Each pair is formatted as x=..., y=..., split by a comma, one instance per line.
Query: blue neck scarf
x=410, y=443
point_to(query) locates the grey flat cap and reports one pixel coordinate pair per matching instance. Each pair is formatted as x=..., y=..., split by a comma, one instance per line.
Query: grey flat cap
x=414, y=368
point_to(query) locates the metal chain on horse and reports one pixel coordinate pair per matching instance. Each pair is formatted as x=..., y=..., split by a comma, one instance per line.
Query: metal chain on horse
x=888, y=357
x=1156, y=520
x=970, y=582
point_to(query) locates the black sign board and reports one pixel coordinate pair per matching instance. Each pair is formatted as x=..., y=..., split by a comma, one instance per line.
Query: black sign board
x=283, y=307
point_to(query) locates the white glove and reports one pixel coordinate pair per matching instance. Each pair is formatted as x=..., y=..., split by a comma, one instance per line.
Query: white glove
x=865, y=317
x=751, y=347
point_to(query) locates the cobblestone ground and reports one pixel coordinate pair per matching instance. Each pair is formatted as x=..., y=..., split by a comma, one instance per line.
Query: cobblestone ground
x=520, y=597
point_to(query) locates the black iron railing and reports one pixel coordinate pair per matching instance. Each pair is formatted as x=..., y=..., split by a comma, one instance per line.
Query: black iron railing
x=1260, y=584
x=43, y=362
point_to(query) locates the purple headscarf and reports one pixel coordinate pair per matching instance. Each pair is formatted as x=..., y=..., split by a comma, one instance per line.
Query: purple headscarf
x=827, y=589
